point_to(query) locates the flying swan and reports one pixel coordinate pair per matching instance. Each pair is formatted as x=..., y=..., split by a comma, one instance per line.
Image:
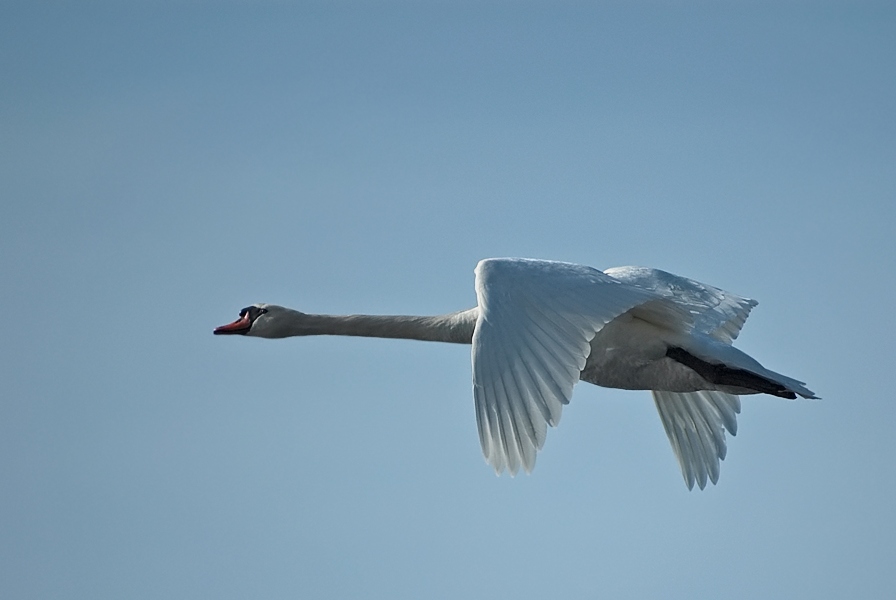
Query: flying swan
x=540, y=326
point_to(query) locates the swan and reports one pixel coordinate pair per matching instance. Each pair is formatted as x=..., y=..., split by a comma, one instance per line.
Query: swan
x=540, y=326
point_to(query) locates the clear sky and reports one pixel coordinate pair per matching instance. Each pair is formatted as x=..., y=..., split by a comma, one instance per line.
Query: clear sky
x=163, y=164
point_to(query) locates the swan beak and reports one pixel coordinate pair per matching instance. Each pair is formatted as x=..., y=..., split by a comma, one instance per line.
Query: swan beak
x=240, y=326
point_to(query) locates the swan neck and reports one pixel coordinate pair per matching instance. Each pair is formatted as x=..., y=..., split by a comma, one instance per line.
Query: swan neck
x=455, y=327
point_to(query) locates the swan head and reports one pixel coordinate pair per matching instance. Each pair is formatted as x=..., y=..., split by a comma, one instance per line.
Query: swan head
x=260, y=320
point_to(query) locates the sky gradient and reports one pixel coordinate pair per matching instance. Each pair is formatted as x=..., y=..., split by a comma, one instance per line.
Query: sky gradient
x=165, y=164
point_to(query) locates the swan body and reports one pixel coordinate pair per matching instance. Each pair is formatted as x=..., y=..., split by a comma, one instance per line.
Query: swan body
x=541, y=326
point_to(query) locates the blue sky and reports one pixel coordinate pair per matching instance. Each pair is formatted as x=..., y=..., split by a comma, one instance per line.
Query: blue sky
x=165, y=164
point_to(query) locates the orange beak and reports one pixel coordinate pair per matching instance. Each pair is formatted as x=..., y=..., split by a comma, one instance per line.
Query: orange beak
x=240, y=326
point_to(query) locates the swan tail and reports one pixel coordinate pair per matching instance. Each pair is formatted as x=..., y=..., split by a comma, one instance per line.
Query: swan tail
x=723, y=375
x=739, y=373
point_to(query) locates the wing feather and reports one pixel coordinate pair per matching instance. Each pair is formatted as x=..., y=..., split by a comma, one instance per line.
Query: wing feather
x=519, y=410
x=543, y=387
x=718, y=313
x=532, y=339
x=535, y=406
x=695, y=423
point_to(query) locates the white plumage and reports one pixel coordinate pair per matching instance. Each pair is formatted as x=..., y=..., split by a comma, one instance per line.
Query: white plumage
x=540, y=326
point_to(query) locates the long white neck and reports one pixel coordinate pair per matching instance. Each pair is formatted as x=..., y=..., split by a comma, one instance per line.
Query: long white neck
x=454, y=327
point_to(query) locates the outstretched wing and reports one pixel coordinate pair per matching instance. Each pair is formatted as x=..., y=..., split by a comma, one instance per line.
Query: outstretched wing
x=717, y=313
x=532, y=338
x=695, y=423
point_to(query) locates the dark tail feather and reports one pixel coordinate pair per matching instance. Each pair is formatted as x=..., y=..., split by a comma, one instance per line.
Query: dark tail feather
x=722, y=375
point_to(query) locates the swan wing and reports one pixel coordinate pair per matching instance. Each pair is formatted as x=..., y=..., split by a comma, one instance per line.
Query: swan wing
x=717, y=313
x=695, y=423
x=532, y=338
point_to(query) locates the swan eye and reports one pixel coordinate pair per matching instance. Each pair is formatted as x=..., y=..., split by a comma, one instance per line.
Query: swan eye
x=252, y=312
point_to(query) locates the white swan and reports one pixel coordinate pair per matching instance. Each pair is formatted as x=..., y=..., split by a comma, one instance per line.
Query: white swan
x=540, y=326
